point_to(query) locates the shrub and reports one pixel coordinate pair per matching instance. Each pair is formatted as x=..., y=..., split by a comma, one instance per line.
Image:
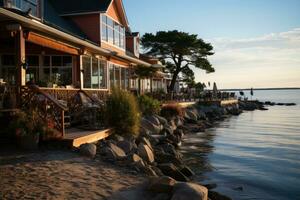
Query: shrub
x=122, y=113
x=149, y=105
x=28, y=123
x=170, y=111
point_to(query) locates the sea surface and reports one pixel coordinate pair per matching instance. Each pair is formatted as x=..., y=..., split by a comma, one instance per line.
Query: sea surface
x=252, y=156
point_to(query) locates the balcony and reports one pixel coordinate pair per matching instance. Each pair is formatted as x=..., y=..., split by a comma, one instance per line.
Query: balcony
x=31, y=7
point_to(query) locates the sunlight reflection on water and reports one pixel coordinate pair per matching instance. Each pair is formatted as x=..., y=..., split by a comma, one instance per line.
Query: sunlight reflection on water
x=258, y=151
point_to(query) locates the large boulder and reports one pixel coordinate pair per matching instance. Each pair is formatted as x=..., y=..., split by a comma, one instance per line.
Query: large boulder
x=144, y=140
x=113, y=152
x=162, y=184
x=127, y=146
x=191, y=115
x=187, y=171
x=154, y=120
x=168, y=158
x=146, y=153
x=171, y=170
x=162, y=120
x=178, y=121
x=152, y=128
x=191, y=191
x=88, y=150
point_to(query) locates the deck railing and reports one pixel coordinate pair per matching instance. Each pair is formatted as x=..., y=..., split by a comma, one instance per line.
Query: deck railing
x=48, y=108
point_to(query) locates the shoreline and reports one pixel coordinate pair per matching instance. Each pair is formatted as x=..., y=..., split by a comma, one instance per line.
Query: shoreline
x=123, y=165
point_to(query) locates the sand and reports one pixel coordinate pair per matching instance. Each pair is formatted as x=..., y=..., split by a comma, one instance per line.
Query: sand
x=62, y=175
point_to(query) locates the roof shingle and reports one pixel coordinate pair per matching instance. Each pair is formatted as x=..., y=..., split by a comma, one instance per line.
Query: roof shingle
x=79, y=6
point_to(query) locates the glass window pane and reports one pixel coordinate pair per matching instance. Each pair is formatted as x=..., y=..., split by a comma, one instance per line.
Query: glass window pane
x=117, y=76
x=104, y=19
x=67, y=61
x=8, y=60
x=47, y=61
x=111, y=76
x=95, y=73
x=86, y=63
x=123, y=78
x=103, y=74
x=32, y=60
x=56, y=61
x=110, y=35
x=104, y=32
x=110, y=22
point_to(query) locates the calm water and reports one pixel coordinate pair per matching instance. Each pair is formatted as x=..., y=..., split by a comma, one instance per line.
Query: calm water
x=252, y=156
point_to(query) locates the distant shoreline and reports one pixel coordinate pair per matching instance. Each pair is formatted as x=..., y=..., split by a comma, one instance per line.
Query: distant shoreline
x=290, y=88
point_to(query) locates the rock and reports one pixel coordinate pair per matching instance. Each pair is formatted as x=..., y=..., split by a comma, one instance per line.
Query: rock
x=178, y=122
x=168, y=158
x=88, y=150
x=187, y=171
x=290, y=104
x=174, y=140
x=171, y=170
x=147, y=142
x=190, y=115
x=152, y=128
x=179, y=132
x=161, y=196
x=162, y=120
x=217, y=196
x=191, y=191
x=146, y=153
x=154, y=120
x=134, y=158
x=167, y=130
x=149, y=171
x=210, y=186
x=162, y=184
x=127, y=146
x=118, y=153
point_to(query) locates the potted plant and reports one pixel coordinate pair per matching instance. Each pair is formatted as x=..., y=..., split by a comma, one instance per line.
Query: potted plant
x=28, y=127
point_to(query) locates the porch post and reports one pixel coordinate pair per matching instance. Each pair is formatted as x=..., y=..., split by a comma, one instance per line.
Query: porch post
x=20, y=61
x=81, y=72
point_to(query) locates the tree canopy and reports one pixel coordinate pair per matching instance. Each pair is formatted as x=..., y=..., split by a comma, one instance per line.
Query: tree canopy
x=179, y=51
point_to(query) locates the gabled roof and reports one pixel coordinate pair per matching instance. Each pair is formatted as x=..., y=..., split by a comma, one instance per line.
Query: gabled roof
x=65, y=7
x=52, y=18
x=77, y=7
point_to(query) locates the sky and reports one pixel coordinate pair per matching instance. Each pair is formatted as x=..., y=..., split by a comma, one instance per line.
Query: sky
x=256, y=42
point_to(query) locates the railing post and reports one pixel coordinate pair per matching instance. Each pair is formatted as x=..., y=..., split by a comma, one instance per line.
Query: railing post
x=63, y=123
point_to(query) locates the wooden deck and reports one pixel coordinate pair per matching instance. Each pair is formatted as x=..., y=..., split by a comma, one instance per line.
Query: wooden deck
x=75, y=137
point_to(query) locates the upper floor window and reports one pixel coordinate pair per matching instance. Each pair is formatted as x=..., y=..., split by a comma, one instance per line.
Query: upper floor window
x=31, y=6
x=112, y=32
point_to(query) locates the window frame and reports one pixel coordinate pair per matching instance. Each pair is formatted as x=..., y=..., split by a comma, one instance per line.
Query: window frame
x=121, y=33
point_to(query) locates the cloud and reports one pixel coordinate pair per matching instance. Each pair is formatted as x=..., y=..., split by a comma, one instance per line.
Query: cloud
x=273, y=58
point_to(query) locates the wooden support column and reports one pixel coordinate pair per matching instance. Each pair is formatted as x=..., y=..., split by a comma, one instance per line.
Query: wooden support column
x=81, y=71
x=20, y=61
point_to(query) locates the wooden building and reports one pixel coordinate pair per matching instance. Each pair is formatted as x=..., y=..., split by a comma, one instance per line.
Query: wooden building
x=66, y=47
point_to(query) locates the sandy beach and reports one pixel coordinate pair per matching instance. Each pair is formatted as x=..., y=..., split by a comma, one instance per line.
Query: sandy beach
x=61, y=175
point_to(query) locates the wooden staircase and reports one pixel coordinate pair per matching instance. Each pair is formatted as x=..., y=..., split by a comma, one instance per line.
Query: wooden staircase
x=60, y=112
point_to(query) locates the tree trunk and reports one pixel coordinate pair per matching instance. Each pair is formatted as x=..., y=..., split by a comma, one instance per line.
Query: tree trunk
x=173, y=82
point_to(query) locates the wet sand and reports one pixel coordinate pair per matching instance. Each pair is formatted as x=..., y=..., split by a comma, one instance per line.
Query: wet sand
x=61, y=175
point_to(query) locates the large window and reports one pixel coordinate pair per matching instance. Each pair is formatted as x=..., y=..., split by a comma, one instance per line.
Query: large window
x=112, y=32
x=25, y=5
x=119, y=76
x=32, y=73
x=56, y=70
x=94, y=73
x=8, y=69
